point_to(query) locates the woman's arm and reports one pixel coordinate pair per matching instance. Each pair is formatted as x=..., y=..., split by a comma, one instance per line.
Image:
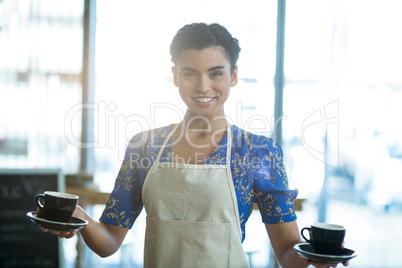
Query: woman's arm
x=104, y=239
x=283, y=237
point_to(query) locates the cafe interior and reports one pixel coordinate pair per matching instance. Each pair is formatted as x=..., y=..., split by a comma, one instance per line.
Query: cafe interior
x=79, y=78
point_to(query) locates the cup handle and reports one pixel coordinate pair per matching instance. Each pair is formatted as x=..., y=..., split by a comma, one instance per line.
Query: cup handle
x=39, y=201
x=309, y=230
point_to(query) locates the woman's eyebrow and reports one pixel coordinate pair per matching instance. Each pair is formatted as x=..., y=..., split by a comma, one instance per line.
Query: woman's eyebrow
x=216, y=68
x=210, y=69
x=188, y=69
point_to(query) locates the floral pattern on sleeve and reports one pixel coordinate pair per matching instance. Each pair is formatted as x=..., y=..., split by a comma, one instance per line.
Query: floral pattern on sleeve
x=125, y=203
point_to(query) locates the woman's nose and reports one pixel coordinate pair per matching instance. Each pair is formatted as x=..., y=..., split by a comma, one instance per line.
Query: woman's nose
x=204, y=84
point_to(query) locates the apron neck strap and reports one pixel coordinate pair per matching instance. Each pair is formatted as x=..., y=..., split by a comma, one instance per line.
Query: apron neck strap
x=165, y=142
x=228, y=143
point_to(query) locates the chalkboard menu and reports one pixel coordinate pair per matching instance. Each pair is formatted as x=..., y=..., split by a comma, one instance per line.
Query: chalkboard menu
x=22, y=243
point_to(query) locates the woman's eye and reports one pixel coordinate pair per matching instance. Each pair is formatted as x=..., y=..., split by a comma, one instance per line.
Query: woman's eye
x=190, y=75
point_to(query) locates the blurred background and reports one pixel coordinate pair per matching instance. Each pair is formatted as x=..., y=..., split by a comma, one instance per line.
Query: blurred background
x=78, y=78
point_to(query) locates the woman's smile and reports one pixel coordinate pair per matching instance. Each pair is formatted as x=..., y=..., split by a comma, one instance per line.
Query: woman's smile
x=204, y=79
x=204, y=101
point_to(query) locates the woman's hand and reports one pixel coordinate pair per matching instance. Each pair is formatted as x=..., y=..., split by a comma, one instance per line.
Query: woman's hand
x=104, y=239
x=60, y=234
x=78, y=213
x=324, y=265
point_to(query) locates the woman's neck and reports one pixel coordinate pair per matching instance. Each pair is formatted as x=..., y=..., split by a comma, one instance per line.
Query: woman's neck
x=203, y=125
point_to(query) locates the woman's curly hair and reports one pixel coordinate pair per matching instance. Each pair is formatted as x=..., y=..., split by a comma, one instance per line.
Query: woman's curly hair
x=200, y=36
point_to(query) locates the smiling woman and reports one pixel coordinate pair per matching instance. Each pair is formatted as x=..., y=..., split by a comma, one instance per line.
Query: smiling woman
x=204, y=80
x=204, y=58
x=328, y=49
x=204, y=178
x=147, y=87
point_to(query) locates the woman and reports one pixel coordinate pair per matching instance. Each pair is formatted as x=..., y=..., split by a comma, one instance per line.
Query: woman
x=198, y=179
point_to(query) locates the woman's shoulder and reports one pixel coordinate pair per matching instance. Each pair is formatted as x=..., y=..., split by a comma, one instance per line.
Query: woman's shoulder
x=153, y=136
x=254, y=142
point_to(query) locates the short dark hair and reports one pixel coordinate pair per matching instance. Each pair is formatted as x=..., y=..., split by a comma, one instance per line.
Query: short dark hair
x=200, y=36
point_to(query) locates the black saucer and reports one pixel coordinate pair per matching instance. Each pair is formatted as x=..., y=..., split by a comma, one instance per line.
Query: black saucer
x=307, y=251
x=73, y=225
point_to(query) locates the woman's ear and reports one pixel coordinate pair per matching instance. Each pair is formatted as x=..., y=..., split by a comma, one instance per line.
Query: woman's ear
x=234, y=78
x=174, y=72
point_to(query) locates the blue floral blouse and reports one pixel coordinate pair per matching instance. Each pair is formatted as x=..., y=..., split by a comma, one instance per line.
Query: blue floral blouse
x=257, y=169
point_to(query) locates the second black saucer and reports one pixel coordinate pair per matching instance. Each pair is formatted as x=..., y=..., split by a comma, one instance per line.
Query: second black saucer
x=72, y=225
x=307, y=251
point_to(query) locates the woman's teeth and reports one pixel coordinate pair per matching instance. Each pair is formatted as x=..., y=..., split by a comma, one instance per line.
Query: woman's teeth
x=204, y=100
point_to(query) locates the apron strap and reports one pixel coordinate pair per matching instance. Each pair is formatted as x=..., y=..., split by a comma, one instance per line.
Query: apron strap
x=164, y=143
x=228, y=144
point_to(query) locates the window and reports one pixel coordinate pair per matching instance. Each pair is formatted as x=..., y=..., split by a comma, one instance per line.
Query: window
x=40, y=68
x=341, y=101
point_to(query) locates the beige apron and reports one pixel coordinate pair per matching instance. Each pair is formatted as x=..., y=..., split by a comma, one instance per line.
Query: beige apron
x=192, y=215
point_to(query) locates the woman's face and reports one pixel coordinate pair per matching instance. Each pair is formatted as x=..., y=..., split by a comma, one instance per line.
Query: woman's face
x=204, y=80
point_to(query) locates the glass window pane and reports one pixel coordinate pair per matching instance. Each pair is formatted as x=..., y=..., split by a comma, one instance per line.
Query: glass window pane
x=40, y=72
x=341, y=100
